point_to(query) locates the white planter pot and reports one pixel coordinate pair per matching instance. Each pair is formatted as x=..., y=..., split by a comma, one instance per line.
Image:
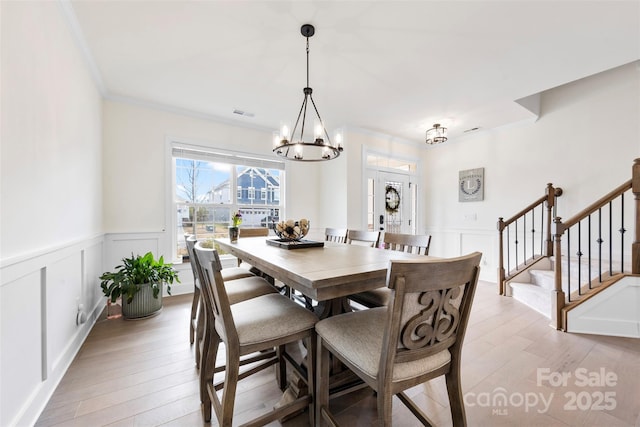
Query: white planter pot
x=143, y=303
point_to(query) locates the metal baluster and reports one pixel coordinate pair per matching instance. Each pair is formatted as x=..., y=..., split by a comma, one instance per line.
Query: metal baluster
x=508, y=251
x=516, y=225
x=600, y=245
x=590, y=243
x=569, y=264
x=610, y=238
x=524, y=238
x=533, y=233
x=622, y=231
x=542, y=228
x=579, y=254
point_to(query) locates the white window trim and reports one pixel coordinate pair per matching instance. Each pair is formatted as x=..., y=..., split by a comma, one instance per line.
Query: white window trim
x=234, y=157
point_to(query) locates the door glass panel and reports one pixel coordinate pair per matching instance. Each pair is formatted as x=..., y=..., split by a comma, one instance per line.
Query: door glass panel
x=394, y=198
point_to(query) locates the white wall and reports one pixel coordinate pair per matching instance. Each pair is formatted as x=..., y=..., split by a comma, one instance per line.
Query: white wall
x=51, y=210
x=585, y=141
x=136, y=172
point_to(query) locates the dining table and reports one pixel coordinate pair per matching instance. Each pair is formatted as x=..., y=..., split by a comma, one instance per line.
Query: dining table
x=327, y=273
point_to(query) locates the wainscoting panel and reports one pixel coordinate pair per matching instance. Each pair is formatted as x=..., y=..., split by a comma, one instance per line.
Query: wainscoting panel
x=21, y=371
x=455, y=242
x=40, y=294
x=64, y=287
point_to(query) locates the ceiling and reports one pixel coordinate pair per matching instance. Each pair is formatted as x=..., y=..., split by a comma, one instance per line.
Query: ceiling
x=394, y=67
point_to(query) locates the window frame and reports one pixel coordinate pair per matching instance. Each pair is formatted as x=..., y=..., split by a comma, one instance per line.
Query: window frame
x=179, y=148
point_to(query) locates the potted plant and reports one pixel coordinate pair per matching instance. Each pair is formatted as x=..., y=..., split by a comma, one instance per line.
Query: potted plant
x=139, y=281
x=234, y=231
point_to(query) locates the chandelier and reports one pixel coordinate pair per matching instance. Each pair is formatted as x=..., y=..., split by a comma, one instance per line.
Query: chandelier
x=320, y=147
x=436, y=134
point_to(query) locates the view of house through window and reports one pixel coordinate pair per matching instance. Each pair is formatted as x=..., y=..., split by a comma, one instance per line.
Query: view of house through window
x=204, y=196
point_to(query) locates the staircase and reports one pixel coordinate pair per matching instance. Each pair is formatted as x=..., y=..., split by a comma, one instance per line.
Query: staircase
x=535, y=286
x=594, y=250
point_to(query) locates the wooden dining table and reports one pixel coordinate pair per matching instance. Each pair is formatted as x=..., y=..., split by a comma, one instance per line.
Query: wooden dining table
x=327, y=274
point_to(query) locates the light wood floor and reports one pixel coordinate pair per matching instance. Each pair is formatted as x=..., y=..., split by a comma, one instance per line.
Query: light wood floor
x=142, y=373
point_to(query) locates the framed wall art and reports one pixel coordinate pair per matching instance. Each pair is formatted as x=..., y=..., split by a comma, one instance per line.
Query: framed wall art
x=471, y=185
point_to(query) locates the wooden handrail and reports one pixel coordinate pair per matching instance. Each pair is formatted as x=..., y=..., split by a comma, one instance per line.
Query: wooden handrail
x=596, y=205
x=505, y=223
x=550, y=198
x=561, y=227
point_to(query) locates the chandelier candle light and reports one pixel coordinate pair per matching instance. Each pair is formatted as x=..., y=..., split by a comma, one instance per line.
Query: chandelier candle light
x=321, y=147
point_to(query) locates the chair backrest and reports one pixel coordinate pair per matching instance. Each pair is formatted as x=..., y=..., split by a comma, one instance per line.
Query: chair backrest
x=363, y=238
x=411, y=243
x=254, y=232
x=428, y=308
x=338, y=235
x=216, y=294
x=191, y=243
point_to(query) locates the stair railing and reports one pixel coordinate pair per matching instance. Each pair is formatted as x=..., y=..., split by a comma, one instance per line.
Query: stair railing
x=590, y=241
x=511, y=252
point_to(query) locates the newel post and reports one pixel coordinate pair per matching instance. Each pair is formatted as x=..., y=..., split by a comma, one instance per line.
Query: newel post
x=501, y=272
x=550, y=203
x=635, y=188
x=558, y=297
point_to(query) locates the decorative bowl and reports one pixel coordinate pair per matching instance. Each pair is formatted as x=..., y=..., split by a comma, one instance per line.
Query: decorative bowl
x=291, y=230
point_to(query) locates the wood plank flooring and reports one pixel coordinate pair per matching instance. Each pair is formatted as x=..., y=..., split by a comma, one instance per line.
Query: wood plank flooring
x=142, y=373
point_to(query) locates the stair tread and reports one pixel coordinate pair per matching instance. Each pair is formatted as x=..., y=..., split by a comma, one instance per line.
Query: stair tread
x=531, y=286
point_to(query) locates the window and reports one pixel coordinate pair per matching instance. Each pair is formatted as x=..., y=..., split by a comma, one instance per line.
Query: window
x=203, y=200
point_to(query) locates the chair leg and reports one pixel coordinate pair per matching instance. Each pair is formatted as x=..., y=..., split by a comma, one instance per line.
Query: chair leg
x=456, y=402
x=194, y=310
x=322, y=387
x=282, y=368
x=311, y=342
x=385, y=408
x=229, y=390
x=211, y=343
x=199, y=332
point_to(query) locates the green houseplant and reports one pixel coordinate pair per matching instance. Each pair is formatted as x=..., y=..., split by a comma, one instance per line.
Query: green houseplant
x=139, y=281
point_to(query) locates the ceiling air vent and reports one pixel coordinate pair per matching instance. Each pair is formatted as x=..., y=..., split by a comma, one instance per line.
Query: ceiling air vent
x=243, y=113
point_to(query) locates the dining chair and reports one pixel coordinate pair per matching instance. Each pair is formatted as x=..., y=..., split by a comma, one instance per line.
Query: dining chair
x=338, y=235
x=254, y=232
x=411, y=243
x=241, y=290
x=363, y=238
x=251, y=327
x=238, y=290
x=196, y=306
x=414, y=339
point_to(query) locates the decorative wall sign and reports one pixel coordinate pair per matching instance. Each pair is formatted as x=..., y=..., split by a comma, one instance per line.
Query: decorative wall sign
x=471, y=185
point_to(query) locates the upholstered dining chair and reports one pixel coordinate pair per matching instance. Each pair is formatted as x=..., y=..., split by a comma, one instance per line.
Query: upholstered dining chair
x=411, y=243
x=414, y=339
x=253, y=326
x=363, y=237
x=196, y=305
x=243, y=289
x=338, y=235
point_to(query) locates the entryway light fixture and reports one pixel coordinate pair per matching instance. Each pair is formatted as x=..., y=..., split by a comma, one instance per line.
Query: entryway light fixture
x=320, y=148
x=436, y=134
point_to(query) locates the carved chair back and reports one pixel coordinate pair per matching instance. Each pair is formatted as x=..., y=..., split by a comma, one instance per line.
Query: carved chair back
x=428, y=310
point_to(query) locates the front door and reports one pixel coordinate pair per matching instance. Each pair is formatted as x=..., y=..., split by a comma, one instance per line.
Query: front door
x=393, y=203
